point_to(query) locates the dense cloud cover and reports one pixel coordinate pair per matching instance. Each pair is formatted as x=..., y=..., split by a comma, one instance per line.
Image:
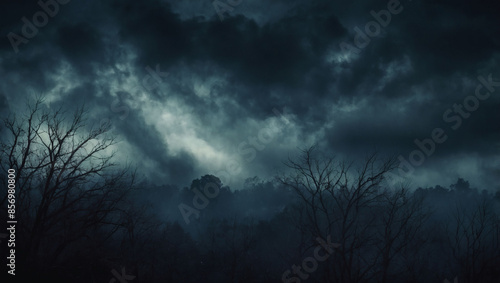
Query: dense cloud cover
x=190, y=94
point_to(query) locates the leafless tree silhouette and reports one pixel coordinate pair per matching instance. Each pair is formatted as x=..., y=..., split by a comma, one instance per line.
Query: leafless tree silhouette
x=372, y=224
x=67, y=183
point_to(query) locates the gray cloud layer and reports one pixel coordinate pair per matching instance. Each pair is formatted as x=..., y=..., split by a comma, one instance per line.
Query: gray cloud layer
x=226, y=77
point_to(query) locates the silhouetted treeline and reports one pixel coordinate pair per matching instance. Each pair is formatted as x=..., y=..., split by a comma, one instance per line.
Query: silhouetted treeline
x=83, y=218
x=255, y=236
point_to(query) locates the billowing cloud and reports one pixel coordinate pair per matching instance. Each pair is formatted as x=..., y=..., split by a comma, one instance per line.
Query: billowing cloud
x=186, y=92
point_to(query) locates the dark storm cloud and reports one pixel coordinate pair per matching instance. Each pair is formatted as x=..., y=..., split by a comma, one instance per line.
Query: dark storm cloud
x=228, y=76
x=286, y=54
x=148, y=148
x=82, y=46
x=4, y=106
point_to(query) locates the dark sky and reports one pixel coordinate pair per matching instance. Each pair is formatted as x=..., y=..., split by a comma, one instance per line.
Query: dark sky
x=190, y=94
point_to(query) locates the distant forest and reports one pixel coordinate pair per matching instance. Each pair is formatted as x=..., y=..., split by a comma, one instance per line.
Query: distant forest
x=84, y=218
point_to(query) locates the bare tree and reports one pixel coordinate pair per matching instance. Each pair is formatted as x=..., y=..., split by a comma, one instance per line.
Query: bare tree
x=67, y=184
x=348, y=204
x=402, y=218
x=474, y=238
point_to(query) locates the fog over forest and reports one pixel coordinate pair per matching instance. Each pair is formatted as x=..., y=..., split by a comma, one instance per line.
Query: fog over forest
x=250, y=141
